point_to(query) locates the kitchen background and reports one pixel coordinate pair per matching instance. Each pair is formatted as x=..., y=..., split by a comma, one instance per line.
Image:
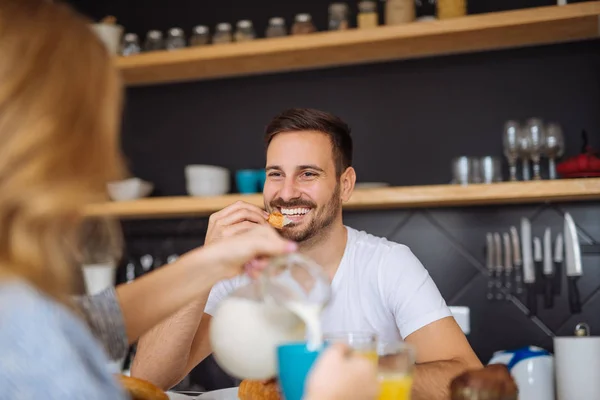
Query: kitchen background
x=409, y=119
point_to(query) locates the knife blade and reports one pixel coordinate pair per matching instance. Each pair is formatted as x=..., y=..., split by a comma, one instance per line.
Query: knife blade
x=572, y=263
x=517, y=261
x=539, y=265
x=508, y=266
x=528, y=267
x=490, y=265
x=548, y=270
x=499, y=266
x=558, y=264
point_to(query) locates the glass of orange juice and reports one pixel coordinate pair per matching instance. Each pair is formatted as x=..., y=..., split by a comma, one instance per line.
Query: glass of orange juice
x=362, y=343
x=395, y=370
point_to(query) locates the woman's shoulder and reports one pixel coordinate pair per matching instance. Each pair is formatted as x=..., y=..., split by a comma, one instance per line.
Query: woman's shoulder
x=46, y=351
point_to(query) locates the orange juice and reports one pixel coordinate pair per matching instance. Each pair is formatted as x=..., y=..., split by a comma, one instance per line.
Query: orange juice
x=394, y=387
x=370, y=355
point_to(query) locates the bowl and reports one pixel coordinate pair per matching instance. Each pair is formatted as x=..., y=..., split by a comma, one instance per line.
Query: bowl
x=207, y=180
x=129, y=189
x=110, y=35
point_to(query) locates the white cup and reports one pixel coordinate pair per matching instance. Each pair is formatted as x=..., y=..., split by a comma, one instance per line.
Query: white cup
x=577, y=369
x=98, y=277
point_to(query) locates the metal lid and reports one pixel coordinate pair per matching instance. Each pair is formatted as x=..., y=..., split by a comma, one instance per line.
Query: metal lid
x=200, y=30
x=177, y=32
x=277, y=21
x=338, y=8
x=154, y=34
x=224, y=26
x=303, y=18
x=244, y=24
x=130, y=37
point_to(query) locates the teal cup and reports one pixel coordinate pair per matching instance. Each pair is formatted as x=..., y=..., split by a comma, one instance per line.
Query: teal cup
x=294, y=362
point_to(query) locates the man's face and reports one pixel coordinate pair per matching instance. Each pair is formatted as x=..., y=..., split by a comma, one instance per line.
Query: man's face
x=302, y=184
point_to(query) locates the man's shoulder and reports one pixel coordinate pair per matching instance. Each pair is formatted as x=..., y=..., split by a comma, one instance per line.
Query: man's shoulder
x=369, y=245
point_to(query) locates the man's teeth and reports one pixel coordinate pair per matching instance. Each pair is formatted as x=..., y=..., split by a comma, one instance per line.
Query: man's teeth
x=294, y=211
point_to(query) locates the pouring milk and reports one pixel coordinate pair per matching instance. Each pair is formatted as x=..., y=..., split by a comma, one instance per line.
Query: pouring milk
x=284, y=305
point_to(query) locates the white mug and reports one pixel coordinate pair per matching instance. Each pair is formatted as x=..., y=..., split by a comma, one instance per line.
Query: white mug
x=577, y=367
x=98, y=277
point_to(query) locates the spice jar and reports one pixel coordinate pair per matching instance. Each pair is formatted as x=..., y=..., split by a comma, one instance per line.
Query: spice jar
x=303, y=24
x=154, y=41
x=367, y=15
x=276, y=28
x=200, y=36
x=399, y=12
x=338, y=17
x=130, y=44
x=223, y=33
x=245, y=31
x=175, y=39
x=451, y=8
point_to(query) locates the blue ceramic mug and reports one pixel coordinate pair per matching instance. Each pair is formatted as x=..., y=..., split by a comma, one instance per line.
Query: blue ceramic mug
x=294, y=361
x=246, y=181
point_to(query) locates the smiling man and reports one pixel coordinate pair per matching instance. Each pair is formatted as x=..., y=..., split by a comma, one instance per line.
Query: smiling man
x=378, y=286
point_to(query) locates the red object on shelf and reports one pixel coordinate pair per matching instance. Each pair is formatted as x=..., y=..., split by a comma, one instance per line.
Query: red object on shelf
x=586, y=164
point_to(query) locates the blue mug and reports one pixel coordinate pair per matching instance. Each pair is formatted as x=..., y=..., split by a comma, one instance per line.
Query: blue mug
x=261, y=177
x=246, y=181
x=294, y=361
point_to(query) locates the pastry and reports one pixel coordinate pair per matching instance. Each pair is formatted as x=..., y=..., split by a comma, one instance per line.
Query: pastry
x=259, y=390
x=493, y=382
x=278, y=220
x=140, y=389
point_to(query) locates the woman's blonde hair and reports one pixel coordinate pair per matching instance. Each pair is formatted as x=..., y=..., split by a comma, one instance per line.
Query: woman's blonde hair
x=60, y=105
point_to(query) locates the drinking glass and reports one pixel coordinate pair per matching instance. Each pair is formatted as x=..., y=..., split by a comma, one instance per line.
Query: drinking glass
x=362, y=343
x=395, y=370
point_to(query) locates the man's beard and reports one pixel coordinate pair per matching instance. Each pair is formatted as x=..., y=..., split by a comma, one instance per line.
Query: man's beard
x=322, y=219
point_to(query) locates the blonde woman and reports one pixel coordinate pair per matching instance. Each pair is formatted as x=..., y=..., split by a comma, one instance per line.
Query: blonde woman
x=60, y=101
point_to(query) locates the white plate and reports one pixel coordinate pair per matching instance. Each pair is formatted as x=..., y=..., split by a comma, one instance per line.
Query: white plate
x=223, y=394
x=178, y=396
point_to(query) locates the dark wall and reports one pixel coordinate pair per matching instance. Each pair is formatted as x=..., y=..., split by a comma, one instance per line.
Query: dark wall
x=409, y=119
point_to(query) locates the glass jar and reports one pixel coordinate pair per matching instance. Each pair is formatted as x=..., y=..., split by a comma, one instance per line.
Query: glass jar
x=276, y=28
x=367, y=15
x=200, y=36
x=398, y=12
x=303, y=24
x=338, y=17
x=131, y=44
x=451, y=8
x=425, y=10
x=223, y=33
x=154, y=41
x=175, y=39
x=245, y=31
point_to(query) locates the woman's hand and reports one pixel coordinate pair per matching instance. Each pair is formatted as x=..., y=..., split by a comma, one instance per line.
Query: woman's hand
x=339, y=375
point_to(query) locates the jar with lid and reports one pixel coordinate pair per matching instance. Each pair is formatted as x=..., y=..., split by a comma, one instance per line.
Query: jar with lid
x=223, y=33
x=367, y=14
x=425, y=10
x=200, y=36
x=451, y=8
x=303, y=24
x=175, y=39
x=338, y=16
x=130, y=45
x=245, y=31
x=276, y=28
x=154, y=41
x=399, y=12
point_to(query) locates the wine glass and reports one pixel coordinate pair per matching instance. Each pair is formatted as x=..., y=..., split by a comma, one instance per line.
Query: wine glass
x=554, y=147
x=511, y=146
x=524, y=150
x=537, y=139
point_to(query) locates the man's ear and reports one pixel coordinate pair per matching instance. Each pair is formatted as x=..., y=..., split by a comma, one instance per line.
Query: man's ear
x=347, y=182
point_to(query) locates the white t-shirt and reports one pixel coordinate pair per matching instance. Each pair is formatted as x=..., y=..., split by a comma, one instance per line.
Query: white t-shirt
x=379, y=287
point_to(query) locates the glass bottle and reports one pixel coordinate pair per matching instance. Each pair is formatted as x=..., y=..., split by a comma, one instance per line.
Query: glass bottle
x=245, y=31
x=367, y=15
x=223, y=33
x=276, y=28
x=303, y=24
x=154, y=41
x=338, y=17
x=131, y=44
x=200, y=36
x=175, y=39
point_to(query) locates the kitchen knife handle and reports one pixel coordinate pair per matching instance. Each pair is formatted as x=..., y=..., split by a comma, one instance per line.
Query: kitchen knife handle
x=574, y=299
x=548, y=291
x=518, y=280
x=532, y=299
x=558, y=277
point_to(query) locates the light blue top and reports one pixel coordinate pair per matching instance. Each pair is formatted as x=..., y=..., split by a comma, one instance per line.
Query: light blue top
x=46, y=352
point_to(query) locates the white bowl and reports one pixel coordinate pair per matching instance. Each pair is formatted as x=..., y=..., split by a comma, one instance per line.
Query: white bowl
x=207, y=180
x=129, y=189
x=110, y=35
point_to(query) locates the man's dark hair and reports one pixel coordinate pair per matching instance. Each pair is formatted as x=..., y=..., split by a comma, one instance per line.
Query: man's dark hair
x=307, y=119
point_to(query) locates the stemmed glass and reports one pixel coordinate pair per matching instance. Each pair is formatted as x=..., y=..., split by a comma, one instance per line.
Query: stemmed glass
x=524, y=151
x=511, y=146
x=537, y=138
x=554, y=147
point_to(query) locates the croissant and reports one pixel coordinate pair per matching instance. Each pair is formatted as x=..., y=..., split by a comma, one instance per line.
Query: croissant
x=140, y=389
x=258, y=390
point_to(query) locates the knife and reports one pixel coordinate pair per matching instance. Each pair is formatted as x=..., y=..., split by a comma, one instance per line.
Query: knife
x=558, y=264
x=539, y=265
x=508, y=266
x=499, y=266
x=548, y=270
x=490, y=265
x=528, y=267
x=517, y=262
x=572, y=263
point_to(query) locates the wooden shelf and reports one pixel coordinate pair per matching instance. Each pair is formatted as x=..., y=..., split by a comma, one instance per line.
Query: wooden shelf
x=369, y=199
x=533, y=26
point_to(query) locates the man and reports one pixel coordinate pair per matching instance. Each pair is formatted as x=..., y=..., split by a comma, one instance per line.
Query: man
x=378, y=285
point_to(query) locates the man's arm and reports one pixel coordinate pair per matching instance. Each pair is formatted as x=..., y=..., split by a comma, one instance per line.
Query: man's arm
x=443, y=353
